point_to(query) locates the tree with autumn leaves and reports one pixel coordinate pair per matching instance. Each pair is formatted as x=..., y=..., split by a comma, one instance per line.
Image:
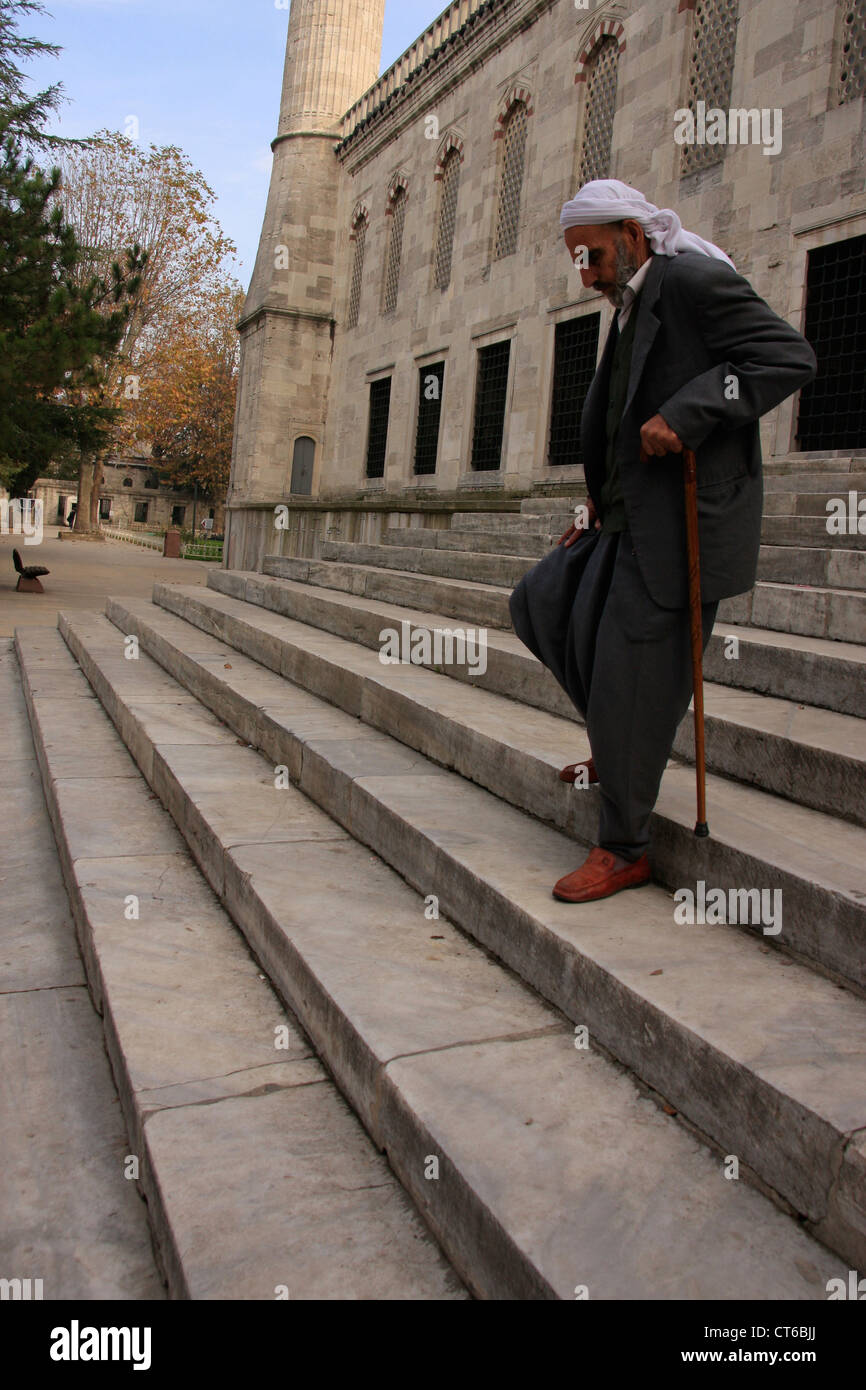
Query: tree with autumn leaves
x=115, y=303
x=186, y=405
x=173, y=375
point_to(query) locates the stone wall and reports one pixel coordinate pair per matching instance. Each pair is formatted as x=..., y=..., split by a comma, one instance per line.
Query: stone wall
x=453, y=88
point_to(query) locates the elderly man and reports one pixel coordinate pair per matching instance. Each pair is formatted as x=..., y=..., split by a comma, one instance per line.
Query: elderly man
x=694, y=358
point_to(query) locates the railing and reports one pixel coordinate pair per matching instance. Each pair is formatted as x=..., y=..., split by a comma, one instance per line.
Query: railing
x=147, y=539
x=440, y=31
x=191, y=550
x=203, y=550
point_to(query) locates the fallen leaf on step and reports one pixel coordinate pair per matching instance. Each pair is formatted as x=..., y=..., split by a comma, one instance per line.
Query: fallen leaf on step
x=657, y=972
x=669, y=1109
x=227, y=666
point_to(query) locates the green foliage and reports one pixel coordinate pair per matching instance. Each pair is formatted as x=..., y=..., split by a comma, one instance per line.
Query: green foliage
x=21, y=114
x=53, y=328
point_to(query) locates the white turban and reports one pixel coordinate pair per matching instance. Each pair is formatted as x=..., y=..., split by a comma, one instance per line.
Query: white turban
x=609, y=200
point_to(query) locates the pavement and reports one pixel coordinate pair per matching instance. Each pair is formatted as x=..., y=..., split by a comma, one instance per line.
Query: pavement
x=70, y=1218
x=83, y=574
x=68, y=1215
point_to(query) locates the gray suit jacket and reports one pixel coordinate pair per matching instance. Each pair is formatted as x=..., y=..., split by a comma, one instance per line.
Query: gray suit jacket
x=699, y=324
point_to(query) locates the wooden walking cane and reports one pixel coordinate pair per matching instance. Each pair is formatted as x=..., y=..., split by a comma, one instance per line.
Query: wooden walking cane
x=697, y=632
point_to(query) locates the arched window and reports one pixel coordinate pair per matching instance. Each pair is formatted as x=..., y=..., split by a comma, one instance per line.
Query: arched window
x=127, y=482
x=447, y=217
x=511, y=181
x=599, y=111
x=711, y=72
x=359, y=235
x=302, y=465
x=852, y=65
x=397, y=210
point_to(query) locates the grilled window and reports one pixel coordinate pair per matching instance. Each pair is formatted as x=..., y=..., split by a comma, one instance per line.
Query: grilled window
x=600, y=109
x=490, y=392
x=833, y=407
x=575, y=354
x=711, y=71
x=377, y=430
x=430, y=381
x=357, y=273
x=508, y=218
x=395, y=246
x=303, y=459
x=851, y=82
x=447, y=215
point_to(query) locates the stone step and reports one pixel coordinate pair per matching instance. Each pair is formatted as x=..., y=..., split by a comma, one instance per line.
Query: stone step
x=810, y=532
x=68, y=1216
x=826, y=567
x=646, y=989
x=801, y=504
x=533, y=544
x=781, y=741
x=515, y=752
x=822, y=568
x=809, y=463
x=816, y=485
x=815, y=757
x=486, y=605
x=539, y=505
x=457, y=564
x=805, y=670
x=256, y=1173
x=835, y=614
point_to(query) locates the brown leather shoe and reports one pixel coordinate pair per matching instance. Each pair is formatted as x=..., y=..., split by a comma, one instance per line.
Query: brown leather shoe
x=599, y=878
x=569, y=774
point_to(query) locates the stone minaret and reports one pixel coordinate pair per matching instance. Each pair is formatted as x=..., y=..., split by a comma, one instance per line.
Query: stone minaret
x=333, y=51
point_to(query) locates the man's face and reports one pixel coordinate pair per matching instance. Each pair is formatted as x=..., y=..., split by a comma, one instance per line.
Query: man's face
x=614, y=254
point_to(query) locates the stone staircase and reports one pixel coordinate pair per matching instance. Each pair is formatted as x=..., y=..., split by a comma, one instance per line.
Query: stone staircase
x=386, y=836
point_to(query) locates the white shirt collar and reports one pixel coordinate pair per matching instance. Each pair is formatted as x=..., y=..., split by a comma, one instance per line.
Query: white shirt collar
x=631, y=292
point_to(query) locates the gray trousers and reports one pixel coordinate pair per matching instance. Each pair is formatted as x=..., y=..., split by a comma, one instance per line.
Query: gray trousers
x=625, y=663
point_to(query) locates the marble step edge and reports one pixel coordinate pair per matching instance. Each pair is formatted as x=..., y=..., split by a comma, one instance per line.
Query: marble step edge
x=766, y=1110
x=222, y=1098
x=780, y=606
x=795, y=855
x=752, y=743
x=813, y=671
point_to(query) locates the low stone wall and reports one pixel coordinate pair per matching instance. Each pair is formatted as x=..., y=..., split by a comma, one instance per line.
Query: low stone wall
x=252, y=532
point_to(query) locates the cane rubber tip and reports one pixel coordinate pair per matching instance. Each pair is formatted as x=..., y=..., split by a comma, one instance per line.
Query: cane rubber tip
x=702, y=830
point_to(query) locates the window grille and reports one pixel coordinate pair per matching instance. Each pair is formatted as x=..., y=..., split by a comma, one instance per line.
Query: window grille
x=377, y=430
x=303, y=459
x=430, y=382
x=357, y=273
x=832, y=411
x=508, y=219
x=395, y=245
x=447, y=216
x=575, y=355
x=141, y=510
x=491, y=387
x=600, y=110
x=852, y=66
x=711, y=71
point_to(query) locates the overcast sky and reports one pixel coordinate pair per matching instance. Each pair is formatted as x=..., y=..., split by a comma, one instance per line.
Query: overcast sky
x=201, y=74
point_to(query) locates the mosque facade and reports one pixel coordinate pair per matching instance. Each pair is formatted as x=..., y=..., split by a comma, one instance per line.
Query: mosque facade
x=415, y=339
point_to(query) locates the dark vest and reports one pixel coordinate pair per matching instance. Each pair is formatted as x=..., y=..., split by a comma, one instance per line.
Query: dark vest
x=612, y=503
